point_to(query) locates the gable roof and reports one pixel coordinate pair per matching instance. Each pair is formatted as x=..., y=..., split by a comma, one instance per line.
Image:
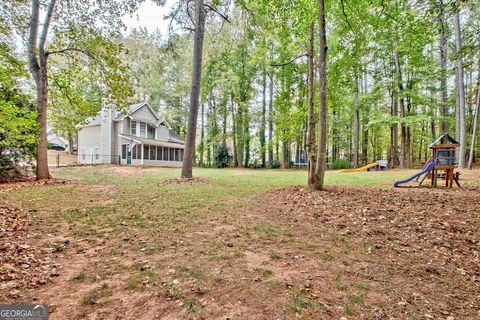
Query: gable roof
x=444, y=139
x=90, y=122
x=97, y=120
x=134, y=108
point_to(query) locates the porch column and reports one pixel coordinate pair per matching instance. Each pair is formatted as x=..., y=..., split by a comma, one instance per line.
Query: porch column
x=141, y=147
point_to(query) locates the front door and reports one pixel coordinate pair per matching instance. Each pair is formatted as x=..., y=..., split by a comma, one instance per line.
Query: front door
x=129, y=156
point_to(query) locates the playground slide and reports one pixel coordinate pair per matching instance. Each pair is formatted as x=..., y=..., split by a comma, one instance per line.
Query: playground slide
x=426, y=170
x=368, y=166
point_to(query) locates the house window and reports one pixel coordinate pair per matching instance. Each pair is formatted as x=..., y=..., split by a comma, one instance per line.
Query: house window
x=133, y=128
x=172, y=155
x=177, y=155
x=159, y=153
x=181, y=154
x=134, y=152
x=153, y=152
x=145, y=152
x=143, y=130
x=139, y=151
x=151, y=132
x=124, y=151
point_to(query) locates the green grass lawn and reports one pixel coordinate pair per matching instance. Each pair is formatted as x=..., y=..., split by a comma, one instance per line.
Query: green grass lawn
x=103, y=197
x=255, y=180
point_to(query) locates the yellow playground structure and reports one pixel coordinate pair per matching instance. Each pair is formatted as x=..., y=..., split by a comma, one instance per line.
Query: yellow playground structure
x=377, y=165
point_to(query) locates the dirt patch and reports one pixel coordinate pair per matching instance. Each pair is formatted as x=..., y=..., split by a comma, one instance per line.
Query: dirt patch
x=183, y=181
x=127, y=171
x=24, y=262
x=417, y=249
x=31, y=182
x=352, y=252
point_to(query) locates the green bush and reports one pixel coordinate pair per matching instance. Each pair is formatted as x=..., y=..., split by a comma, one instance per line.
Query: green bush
x=274, y=165
x=341, y=164
x=18, y=127
x=222, y=157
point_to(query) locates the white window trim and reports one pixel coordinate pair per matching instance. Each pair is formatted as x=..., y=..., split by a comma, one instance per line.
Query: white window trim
x=140, y=130
x=131, y=127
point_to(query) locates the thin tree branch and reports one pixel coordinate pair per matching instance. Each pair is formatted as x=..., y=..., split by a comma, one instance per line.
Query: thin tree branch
x=46, y=26
x=384, y=11
x=224, y=17
x=32, y=39
x=346, y=17
x=288, y=62
x=48, y=53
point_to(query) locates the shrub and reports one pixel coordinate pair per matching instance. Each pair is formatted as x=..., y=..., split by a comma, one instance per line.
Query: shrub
x=341, y=164
x=274, y=165
x=18, y=127
x=222, y=157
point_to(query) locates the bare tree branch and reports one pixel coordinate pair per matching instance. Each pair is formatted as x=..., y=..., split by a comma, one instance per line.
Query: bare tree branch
x=288, y=62
x=46, y=26
x=32, y=39
x=48, y=53
x=224, y=17
x=346, y=17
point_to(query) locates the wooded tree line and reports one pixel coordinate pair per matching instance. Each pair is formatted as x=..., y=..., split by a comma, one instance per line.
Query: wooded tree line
x=399, y=74
x=396, y=74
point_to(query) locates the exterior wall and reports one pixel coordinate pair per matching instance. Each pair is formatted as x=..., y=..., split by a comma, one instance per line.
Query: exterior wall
x=145, y=113
x=125, y=126
x=162, y=133
x=89, y=144
x=115, y=140
x=106, y=133
x=157, y=163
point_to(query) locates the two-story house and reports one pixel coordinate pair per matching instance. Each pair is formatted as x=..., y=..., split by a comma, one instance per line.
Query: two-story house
x=138, y=136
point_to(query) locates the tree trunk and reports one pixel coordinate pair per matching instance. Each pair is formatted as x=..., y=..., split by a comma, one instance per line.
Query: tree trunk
x=356, y=124
x=443, y=38
x=247, y=140
x=399, y=81
x=311, y=114
x=460, y=88
x=270, y=123
x=322, y=123
x=194, y=89
x=202, y=135
x=264, y=120
x=477, y=117
x=234, y=135
x=285, y=154
x=240, y=135
x=70, y=143
x=225, y=116
x=38, y=69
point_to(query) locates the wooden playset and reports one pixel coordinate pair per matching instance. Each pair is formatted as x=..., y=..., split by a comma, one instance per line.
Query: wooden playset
x=441, y=164
x=443, y=155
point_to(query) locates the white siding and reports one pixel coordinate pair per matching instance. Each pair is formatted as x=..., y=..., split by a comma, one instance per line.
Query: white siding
x=89, y=142
x=162, y=133
x=144, y=113
x=107, y=150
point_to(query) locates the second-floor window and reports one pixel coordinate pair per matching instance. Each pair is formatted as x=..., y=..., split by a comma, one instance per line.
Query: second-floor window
x=133, y=128
x=143, y=130
x=150, y=132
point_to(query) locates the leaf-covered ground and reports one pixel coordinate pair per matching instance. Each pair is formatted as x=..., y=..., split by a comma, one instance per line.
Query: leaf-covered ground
x=136, y=243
